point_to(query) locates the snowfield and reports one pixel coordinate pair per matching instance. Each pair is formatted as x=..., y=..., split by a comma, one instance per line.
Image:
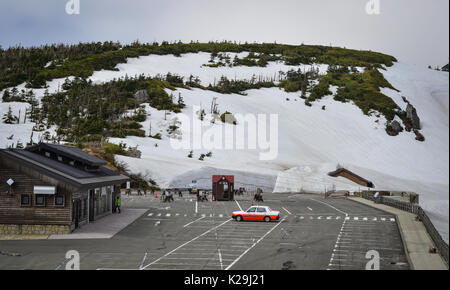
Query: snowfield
x=193, y=64
x=310, y=141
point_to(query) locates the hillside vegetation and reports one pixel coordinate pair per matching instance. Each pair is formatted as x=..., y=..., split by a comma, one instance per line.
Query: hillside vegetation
x=36, y=65
x=85, y=111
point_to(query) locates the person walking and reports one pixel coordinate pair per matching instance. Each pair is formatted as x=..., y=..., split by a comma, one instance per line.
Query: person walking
x=118, y=203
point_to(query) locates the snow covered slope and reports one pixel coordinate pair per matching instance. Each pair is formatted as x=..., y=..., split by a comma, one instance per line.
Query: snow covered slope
x=311, y=140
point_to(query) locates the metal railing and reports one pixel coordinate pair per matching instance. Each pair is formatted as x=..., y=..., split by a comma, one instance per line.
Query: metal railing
x=441, y=245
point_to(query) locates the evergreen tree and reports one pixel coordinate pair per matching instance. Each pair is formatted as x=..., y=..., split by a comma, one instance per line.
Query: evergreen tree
x=181, y=103
x=9, y=118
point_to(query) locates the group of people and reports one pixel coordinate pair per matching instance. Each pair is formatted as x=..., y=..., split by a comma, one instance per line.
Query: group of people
x=240, y=191
x=202, y=196
x=167, y=196
x=139, y=191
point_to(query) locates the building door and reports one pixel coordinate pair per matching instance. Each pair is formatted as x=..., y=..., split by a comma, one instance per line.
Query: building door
x=76, y=208
x=219, y=191
x=91, y=205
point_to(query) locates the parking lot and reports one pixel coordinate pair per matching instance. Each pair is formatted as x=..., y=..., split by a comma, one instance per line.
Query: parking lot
x=313, y=233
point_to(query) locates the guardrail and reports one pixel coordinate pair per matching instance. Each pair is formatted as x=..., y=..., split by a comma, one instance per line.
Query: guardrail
x=441, y=245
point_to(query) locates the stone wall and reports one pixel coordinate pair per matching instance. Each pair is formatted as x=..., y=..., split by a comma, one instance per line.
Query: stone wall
x=6, y=229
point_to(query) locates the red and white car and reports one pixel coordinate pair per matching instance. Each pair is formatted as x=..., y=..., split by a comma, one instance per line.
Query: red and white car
x=257, y=213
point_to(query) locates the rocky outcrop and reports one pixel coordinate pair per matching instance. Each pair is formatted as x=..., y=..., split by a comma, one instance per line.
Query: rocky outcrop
x=394, y=128
x=141, y=95
x=134, y=152
x=411, y=114
x=419, y=136
x=445, y=67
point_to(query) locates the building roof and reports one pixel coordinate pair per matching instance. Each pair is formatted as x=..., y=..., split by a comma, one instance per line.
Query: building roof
x=341, y=170
x=70, y=152
x=64, y=172
x=228, y=178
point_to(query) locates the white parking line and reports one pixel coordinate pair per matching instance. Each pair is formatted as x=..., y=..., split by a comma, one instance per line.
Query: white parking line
x=193, y=222
x=209, y=258
x=286, y=210
x=254, y=244
x=329, y=206
x=220, y=259
x=240, y=208
x=143, y=260
x=197, y=237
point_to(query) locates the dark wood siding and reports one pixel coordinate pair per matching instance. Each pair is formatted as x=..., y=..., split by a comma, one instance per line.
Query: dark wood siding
x=11, y=210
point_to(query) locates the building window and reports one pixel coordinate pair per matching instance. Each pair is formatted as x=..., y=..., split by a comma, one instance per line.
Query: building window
x=47, y=154
x=25, y=200
x=72, y=163
x=60, y=159
x=40, y=200
x=59, y=200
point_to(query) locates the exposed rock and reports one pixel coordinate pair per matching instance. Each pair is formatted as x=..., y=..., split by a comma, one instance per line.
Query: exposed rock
x=394, y=128
x=411, y=114
x=419, y=136
x=395, y=125
x=134, y=152
x=141, y=95
x=445, y=67
x=408, y=125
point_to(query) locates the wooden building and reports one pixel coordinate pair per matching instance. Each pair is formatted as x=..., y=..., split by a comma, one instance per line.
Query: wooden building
x=342, y=172
x=223, y=187
x=54, y=189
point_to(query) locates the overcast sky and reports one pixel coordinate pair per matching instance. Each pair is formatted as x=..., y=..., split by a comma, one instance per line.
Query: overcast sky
x=414, y=31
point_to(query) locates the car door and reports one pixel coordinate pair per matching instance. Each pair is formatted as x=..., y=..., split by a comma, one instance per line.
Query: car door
x=261, y=213
x=250, y=214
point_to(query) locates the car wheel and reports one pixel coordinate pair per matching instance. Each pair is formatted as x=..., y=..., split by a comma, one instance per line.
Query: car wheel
x=239, y=218
x=267, y=219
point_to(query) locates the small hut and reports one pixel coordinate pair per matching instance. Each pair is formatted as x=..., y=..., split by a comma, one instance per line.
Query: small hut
x=223, y=187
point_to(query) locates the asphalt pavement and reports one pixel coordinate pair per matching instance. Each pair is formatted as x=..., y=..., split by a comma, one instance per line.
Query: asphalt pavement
x=313, y=233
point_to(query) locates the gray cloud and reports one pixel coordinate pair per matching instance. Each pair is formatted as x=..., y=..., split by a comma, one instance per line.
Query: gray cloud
x=415, y=31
